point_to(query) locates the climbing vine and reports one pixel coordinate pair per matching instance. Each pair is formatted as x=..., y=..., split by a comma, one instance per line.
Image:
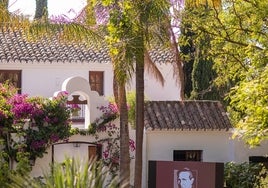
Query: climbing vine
x=110, y=143
x=29, y=125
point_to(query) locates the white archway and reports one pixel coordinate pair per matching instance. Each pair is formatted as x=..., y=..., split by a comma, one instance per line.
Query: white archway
x=80, y=85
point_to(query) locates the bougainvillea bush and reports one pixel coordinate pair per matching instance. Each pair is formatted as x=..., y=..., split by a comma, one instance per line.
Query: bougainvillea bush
x=29, y=125
x=105, y=125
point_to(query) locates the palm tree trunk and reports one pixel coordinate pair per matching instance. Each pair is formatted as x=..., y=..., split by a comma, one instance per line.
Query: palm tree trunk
x=41, y=10
x=115, y=90
x=178, y=68
x=139, y=115
x=124, y=138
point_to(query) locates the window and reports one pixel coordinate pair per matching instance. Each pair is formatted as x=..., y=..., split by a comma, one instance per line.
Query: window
x=77, y=106
x=94, y=151
x=96, y=81
x=259, y=159
x=14, y=76
x=187, y=155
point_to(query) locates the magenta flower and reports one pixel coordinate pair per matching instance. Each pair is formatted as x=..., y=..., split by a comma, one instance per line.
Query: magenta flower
x=36, y=144
x=132, y=146
x=105, y=154
x=54, y=138
x=20, y=107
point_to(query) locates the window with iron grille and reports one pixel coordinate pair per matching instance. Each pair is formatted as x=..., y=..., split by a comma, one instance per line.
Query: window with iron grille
x=96, y=81
x=13, y=76
x=77, y=107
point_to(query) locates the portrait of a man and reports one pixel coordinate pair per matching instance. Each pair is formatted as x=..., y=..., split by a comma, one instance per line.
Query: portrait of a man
x=185, y=178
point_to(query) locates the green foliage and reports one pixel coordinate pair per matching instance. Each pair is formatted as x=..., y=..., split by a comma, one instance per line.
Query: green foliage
x=109, y=142
x=69, y=174
x=198, y=65
x=238, y=46
x=10, y=20
x=4, y=166
x=131, y=101
x=28, y=126
x=249, y=103
x=245, y=175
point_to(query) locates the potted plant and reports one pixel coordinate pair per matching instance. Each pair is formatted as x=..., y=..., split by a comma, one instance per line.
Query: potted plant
x=75, y=109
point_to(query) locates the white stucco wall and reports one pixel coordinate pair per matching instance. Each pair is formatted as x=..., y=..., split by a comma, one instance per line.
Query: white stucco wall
x=243, y=151
x=43, y=79
x=217, y=146
x=61, y=151
x=214, y=144
x=153, y=89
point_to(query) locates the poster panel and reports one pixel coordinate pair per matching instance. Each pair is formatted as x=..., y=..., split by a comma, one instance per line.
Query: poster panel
x=182, y=174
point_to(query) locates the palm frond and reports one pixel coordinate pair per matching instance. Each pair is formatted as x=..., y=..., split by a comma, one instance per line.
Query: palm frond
x=69, y=33
x=152, y=68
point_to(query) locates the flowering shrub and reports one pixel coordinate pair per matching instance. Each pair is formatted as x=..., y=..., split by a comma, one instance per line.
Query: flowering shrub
x=103, y=123
x=110, y=144
x=28, y=126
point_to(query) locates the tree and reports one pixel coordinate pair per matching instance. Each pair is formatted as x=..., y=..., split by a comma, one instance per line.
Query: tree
x=41, y=11
x=10, y=20
x=128, y=41
x=4, y=3
x=238, y=34
x=187, y=50
x=198, y=71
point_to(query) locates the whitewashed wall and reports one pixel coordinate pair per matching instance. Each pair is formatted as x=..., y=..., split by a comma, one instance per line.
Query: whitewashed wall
x=43, y=79
x=61, y=151
x=217, y=146
x=243, y=151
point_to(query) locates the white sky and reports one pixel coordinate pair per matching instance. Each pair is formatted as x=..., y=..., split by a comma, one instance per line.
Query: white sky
x=55, y=7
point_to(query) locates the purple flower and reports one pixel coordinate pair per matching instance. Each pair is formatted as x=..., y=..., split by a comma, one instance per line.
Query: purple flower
x=54, y=138
x=55, y=120
x=105, y=154
x=47, y=119
x=132, y=146
x=75, y=107
x=36, y=144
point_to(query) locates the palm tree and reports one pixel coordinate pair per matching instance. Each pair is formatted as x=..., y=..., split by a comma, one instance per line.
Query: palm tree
x=129, y=42
x=142, y=32
x=41, y=11
x=4, y=3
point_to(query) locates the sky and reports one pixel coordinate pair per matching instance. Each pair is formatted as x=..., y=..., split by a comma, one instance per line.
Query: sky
x=55, y=7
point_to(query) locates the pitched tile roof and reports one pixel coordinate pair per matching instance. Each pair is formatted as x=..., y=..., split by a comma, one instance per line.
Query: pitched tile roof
x=185, y=115
x=14, y=47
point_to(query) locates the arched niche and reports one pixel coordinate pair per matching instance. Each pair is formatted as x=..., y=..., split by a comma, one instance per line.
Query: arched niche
x=80, y=86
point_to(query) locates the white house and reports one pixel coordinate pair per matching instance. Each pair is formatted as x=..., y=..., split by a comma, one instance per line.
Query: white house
x=192, y=131
x=174, y=130
x=39, y=68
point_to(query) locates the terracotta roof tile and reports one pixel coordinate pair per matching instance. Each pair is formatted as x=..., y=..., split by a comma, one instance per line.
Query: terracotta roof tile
x=185, y=115
x=14, y=47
